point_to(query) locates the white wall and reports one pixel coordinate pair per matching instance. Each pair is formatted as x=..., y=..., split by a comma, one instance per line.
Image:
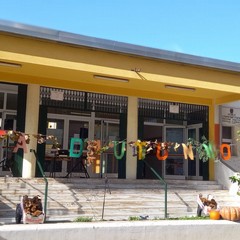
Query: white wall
x=222, y=174
x=138, y=230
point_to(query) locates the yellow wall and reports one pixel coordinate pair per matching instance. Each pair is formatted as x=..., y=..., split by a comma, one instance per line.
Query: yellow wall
x=66, y=66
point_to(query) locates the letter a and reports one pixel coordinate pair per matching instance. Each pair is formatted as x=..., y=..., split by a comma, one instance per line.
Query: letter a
x=21, y=143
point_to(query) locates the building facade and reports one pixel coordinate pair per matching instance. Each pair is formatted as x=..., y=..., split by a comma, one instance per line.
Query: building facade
x=72, y=86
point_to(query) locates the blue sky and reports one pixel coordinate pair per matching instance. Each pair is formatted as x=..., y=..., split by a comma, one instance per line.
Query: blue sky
x=208, y=28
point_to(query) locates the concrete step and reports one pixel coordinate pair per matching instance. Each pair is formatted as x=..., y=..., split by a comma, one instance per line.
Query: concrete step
x=88, y=182
x=71, y=198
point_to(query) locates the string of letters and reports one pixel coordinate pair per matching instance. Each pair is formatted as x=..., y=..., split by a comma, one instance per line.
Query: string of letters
x=140, y=148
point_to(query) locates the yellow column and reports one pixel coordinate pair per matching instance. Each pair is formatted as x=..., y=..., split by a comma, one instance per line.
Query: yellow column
x=211, y=138
x=31, y=127
x=132, y=135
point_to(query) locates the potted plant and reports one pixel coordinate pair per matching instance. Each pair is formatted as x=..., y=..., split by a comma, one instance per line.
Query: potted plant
x=235, y=179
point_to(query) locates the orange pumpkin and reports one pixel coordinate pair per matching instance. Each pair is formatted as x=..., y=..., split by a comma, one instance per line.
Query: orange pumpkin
x=230, y=213
x=214, y=214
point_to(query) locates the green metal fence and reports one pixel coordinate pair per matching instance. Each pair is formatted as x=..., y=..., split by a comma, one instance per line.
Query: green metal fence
x=165, y=188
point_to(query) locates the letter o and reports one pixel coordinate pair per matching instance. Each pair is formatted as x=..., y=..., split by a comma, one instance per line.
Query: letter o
x=158, y=153
x=228, y=156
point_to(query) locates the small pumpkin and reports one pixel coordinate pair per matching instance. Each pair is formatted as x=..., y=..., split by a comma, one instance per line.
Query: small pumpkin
x=214, y=214
x=230, y=213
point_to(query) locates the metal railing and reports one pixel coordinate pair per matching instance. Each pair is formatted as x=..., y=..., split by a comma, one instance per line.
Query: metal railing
x=165, y=187
x=46, y=183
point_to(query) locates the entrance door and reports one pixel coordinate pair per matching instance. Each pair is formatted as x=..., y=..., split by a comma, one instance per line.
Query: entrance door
x=65, y=127
x=175, y=165
x=194, y=132
x=107, y=131
x=152, y=132
x=78, y=128
x=7, y=122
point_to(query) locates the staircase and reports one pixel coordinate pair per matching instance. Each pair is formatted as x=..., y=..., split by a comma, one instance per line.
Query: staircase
x=69, y=198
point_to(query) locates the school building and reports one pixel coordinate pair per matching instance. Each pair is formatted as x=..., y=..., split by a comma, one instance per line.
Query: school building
x=68, y=85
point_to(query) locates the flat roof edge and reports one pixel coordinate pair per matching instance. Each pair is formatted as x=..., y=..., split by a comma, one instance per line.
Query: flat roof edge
x=114, y=46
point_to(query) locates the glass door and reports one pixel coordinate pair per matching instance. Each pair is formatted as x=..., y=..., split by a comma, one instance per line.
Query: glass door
x=8, y=122
x=194, y=132
x=107, y=131
x=55, y=127
x=152, y=132
x=65, y=127
x=78, y=128
x=175, y=165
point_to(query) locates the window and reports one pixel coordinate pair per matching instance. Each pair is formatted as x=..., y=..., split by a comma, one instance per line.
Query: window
x=11, y=101
x=1, y=100
x=230, y=136
x=227, y=133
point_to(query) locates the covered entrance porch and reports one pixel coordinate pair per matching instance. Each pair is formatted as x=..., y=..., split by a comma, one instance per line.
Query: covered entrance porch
x=86, y=118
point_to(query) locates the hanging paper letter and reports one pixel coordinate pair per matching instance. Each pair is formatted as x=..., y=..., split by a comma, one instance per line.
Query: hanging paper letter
x=75, y=141
x=209, y=150
x=226, y=156
x=188, y=152
x=158, y=153
x=21, y=143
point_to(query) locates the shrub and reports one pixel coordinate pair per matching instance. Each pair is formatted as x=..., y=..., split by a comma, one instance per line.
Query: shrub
x=134, y=218
x=83, y=219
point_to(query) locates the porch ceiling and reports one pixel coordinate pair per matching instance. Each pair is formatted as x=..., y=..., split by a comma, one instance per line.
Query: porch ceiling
x=65, y=66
